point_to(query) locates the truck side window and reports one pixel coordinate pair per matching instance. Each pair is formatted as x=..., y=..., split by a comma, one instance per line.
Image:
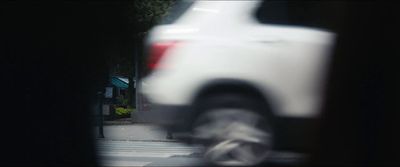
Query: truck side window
x=315, y=14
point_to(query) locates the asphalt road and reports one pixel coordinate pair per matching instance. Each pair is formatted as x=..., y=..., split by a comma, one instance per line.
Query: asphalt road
x=148, y=153
x=146, y=145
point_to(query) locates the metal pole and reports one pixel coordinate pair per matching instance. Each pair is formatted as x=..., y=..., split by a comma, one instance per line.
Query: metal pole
x=100, y=114
x=138, y=79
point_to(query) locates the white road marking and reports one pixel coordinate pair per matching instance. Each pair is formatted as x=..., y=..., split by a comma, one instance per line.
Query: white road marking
x=122, y=150
x=124, y=163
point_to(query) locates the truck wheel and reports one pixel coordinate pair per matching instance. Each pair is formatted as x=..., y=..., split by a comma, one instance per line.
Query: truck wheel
x=237, y=134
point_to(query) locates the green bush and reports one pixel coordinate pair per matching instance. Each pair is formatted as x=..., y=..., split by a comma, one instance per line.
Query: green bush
x=123, y=111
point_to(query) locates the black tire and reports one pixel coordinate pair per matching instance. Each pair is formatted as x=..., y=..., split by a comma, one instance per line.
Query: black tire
x=225, y=121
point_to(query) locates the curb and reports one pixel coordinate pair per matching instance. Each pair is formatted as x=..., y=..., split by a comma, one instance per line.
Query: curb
x=126, y=123
x=118, y=123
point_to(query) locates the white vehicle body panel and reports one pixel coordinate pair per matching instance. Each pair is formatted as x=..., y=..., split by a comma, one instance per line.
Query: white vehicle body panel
x=285, y=63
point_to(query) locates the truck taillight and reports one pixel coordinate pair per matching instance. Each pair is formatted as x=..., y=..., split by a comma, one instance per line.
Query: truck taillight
x=156, y=52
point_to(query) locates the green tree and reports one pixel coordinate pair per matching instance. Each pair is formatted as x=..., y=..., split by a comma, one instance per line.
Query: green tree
x=146, y=13
x=142, y=15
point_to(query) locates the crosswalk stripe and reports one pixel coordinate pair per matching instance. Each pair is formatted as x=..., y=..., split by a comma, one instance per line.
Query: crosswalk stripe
x=141, y=143
x=144, y=149
x=141, y=151
x=124, y=163
x=140, y=146
x=148, y=150
x=138, y=152
x=133, y=154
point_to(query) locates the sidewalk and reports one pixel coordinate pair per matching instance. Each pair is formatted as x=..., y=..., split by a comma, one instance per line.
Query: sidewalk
x=135, y=132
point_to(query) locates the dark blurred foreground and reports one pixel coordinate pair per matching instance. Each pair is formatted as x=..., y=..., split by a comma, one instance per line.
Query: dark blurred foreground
x=53, y=63
x=360, y=113
x=53, y=60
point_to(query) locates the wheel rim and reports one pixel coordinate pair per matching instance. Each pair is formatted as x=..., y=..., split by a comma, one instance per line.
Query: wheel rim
x=237, y=140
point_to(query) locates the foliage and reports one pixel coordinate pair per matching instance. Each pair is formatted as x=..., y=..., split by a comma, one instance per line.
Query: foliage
x=138, y=17
x=146, y=13
x=141, y=15
x=123, y=111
